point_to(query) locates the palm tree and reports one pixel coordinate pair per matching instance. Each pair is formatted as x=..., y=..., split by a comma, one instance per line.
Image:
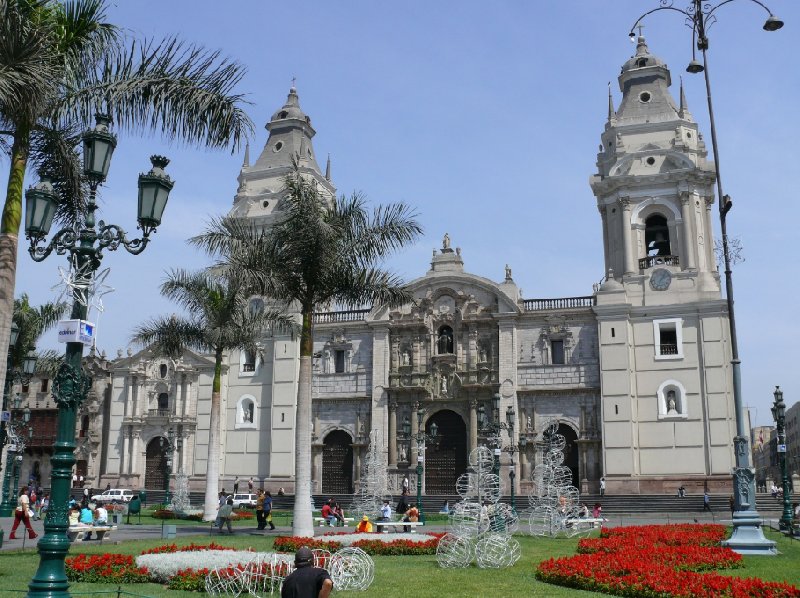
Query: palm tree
x=60, y=62
x=33, y=322
x=317, y=253
x=220, y=318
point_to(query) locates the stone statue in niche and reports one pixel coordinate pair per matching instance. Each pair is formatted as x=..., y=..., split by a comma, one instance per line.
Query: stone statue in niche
x=402, y=453
x=482, y=355
x=671, y=403
x=530, y=426
x=444, y=385
x=406, y=357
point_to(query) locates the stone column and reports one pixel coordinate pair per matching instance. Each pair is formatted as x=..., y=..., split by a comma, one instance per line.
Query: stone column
x=414, y=430
x=134, y=451
x=627, y=248
x=392, y=434
x=606, y=249
x=687, y=259
x=124, y=461
x=523, y=466
x=473, y=424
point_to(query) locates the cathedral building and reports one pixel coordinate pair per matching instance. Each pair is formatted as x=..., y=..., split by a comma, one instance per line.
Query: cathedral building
x=636, y=374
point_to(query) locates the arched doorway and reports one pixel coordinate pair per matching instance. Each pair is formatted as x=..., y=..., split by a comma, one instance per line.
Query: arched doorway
x=155, y=465
x=337, y=463
x=446, y=459
x=570, y=451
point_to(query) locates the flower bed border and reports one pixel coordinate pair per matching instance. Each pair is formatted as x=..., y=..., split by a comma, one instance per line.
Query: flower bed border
x=371, y=547
x=658, y=561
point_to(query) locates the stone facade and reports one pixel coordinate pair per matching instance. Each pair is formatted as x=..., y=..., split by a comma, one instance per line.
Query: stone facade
x=636, y=374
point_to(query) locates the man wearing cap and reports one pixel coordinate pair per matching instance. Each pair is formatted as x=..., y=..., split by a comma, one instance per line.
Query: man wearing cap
x=306, y=581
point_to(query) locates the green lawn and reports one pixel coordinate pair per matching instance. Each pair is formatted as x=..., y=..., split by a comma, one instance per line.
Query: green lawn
x=397, y=577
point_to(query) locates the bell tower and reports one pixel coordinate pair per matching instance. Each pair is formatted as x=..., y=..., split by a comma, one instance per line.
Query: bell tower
x=667, y=407
x=654, y=190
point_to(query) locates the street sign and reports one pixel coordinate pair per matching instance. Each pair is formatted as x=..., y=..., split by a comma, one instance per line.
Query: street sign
x=6, y=416
x=76, y=331
x=781, y=448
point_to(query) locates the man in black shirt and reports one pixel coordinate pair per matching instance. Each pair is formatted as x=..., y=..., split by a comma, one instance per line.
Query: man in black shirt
x=306, y=581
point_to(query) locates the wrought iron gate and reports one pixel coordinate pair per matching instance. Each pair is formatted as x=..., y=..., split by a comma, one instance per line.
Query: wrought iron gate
x=446, y=459
x=155, y=469
x=337, y=464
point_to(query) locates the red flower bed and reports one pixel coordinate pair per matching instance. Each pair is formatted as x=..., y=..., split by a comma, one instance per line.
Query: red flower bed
x=373, y=547
x=658, y=561
x=188, y=548
x=114, y=568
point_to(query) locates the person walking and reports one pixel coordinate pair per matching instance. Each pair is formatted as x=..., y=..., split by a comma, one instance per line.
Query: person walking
x=306, y=581
x=225, y=514
x=236, y=485
x=268, y=510
x=602, y=486
x=706, y=502
x=250, y=485
x=21, y=514
x=262, y=522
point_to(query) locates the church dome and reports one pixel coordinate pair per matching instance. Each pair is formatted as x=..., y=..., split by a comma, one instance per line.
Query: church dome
x=643, y=58
x=291, y=109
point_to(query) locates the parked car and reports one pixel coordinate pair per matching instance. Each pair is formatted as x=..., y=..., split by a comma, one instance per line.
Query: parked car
x=244, y=500
x=114, y=494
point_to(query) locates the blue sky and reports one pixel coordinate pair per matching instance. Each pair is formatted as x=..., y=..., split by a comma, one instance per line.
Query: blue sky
x=486, y=117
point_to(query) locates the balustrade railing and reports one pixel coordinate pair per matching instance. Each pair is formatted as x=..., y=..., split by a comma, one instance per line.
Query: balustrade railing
x=159, y=412
x=658, y=260
x=331, y=317
x=558, y=303
x=668, y=349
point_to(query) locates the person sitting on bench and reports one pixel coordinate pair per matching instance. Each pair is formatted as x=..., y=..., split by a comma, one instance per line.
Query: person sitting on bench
x=364, y=526
x=411, y=515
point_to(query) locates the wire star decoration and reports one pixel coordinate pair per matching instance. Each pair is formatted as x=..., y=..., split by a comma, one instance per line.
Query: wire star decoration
x=82, y=284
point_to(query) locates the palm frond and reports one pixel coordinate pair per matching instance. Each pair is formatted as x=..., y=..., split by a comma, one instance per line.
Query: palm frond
x=171, y=336
x=29, y=66
x=180, y=91
x=54, y=153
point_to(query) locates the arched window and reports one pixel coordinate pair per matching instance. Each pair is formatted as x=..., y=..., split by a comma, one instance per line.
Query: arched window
x=672, y=400
x=245, y=413
x=84, y=432
x=444, y=341
x=656, y=236
x=163, y=401
x=162, y=370
x=248, y=362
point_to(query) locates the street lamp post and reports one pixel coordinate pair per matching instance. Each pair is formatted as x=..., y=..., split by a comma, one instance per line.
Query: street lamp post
x=779, y=415
x=12, y=375
x=20, y=432
x=747, y=536
x=84, y=243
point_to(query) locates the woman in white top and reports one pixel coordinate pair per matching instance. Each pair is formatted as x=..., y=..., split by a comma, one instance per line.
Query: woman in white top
x=21, y=514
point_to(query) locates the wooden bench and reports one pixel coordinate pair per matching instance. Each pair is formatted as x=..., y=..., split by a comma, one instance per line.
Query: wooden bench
x=321, y=521
x=383, y=526
x=79, y=533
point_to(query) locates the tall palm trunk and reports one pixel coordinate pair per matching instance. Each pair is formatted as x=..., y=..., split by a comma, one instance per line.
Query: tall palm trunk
x=9, y=236
x=303, y=524
x=212, y=466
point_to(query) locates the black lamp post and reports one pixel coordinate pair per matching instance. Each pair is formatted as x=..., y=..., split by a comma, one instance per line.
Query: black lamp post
x=85, y=244
x=747, y=537
x=779, y=415
x=12, y=375
x=20, y=432
x=421, y=439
